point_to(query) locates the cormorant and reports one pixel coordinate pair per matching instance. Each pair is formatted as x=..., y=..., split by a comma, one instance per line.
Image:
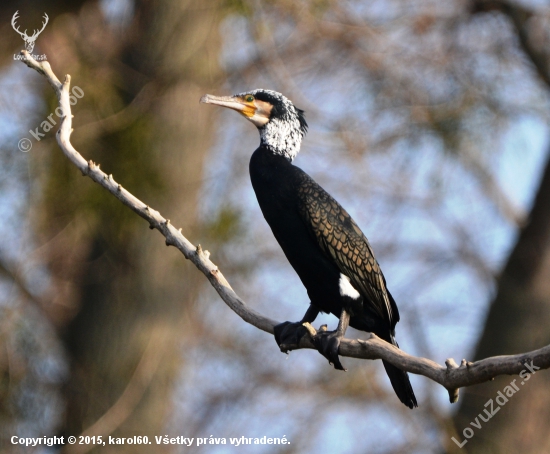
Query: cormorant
x=326, y=248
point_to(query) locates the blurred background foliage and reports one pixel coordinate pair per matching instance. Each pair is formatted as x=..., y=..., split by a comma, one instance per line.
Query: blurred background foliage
x=428, y=122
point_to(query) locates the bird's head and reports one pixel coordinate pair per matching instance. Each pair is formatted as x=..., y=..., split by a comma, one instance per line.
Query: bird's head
x=281, y=125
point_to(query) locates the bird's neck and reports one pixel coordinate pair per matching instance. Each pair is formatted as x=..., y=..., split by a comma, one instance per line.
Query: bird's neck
x=282, y=138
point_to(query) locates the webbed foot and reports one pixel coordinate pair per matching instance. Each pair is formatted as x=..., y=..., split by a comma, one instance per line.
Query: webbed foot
x=327, y=343
x=288, y=335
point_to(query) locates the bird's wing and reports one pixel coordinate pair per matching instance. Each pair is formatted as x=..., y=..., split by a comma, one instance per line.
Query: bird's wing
x=340, y=238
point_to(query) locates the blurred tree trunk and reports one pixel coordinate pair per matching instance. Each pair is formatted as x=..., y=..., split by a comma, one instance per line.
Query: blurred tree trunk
x=519, y=316
x=517, y=322
x=122, y=302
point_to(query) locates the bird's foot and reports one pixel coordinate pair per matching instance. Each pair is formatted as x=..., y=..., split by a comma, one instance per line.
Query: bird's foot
x=288, y=335
x=328, y=343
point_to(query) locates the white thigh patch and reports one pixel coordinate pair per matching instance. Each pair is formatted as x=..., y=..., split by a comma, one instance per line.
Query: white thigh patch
x=346, y=289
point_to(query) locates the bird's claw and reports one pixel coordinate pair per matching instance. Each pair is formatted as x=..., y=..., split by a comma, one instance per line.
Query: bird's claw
x=288, y=335
x=328, y=343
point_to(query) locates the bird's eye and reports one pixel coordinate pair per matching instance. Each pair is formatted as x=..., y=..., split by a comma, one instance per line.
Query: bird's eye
x=249, y=98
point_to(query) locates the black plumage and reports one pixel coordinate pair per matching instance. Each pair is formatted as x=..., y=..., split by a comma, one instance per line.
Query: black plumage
x=326, y=248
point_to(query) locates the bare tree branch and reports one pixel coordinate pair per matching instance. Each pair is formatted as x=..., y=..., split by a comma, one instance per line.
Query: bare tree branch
x=452, y=377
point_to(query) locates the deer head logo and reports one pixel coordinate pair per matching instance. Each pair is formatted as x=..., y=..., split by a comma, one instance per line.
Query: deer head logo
x=29, y=40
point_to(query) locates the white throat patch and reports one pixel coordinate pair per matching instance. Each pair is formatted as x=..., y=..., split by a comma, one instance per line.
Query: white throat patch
x=283, y=137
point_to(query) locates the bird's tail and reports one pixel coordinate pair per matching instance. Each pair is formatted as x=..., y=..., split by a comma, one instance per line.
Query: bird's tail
x=399, y=379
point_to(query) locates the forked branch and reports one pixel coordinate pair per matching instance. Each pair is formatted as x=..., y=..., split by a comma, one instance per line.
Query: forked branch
x=451, y=376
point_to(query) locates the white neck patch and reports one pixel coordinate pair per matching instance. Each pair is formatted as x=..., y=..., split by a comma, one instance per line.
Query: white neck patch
x=282, y=137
